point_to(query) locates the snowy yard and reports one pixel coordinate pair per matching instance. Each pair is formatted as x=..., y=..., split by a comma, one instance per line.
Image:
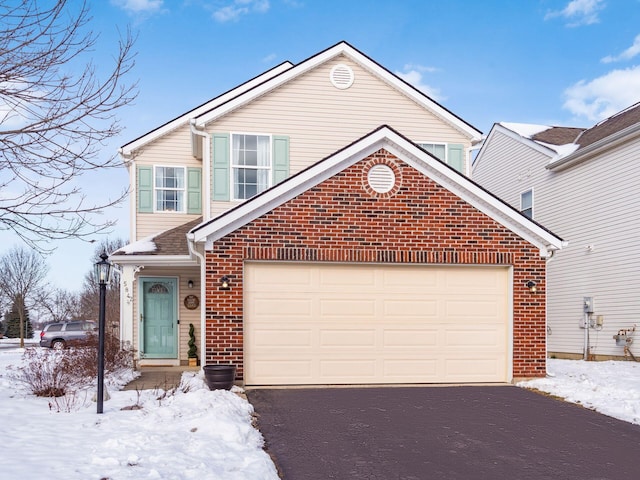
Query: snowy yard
x=194, y=433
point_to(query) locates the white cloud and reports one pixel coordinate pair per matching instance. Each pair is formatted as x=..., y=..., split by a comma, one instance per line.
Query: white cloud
x=603, y=96
x=269, y=58
x=239, y=8
x=139, y=6
x=579, y=12
x=413, y=74
x=628, y=54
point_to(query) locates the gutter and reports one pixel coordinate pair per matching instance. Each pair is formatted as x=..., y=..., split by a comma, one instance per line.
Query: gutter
x=129, y=162
x=203, y=293
x=206, y=168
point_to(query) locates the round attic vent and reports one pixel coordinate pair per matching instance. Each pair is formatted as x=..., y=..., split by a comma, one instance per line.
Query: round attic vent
x=341, y=76
x=381, y=178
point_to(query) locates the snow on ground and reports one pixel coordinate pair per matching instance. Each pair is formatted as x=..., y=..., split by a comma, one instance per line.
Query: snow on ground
x=194, y=433
x=611, y=388
x=191, y=434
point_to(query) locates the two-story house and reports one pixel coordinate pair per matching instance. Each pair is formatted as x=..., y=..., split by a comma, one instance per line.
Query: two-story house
x=315, y=225
x=582, y=183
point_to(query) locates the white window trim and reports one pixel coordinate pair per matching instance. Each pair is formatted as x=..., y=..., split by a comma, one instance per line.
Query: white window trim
x=232, y=185
x=532, y=202
x=446, y=148
x=184, y=189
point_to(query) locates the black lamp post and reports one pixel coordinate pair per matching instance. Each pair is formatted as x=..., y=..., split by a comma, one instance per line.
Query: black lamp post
x=102, y=276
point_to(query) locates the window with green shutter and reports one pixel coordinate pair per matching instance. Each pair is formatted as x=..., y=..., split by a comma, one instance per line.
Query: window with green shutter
x=145, y=189
x=244, y=165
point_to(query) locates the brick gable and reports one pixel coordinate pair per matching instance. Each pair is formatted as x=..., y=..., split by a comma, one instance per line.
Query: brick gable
x=343, y=220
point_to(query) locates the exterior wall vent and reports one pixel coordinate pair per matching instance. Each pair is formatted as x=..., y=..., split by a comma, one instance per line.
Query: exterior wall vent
x=341, y=76
x=381, y=178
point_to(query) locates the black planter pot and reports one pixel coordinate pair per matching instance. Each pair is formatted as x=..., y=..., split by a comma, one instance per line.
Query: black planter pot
x=219, y=377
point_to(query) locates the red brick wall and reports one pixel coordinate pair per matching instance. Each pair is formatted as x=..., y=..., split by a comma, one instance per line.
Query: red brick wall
x=343, y=220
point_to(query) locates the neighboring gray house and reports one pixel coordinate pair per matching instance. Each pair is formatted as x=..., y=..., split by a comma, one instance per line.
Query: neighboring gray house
x=584, y=185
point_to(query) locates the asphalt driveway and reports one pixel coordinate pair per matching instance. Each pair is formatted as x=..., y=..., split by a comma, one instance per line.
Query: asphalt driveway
x=492, y=432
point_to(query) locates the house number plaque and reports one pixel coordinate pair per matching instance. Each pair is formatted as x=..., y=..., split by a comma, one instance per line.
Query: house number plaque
x=191, y=302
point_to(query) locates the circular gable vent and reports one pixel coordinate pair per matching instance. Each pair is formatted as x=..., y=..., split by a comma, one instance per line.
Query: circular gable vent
x=381, y=178
x=341, y=76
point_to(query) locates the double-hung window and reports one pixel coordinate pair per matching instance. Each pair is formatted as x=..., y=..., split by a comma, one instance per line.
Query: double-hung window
x=438, y=150
x=526, y=203
x=250, y=164
x=169, y=186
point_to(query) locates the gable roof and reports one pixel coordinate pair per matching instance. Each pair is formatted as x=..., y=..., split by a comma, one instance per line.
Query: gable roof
x=386, y=138
x=341, y=48
x=185, y=118
x=566, y=146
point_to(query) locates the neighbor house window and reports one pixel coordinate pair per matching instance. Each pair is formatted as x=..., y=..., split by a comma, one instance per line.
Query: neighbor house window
x=169, y=189
x=250, y=164
x=438, y=150
x=526, y=203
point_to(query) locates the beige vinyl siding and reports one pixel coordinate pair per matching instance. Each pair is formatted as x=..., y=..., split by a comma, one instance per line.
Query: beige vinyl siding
x=173, y=149
x=592, y=203
x=186, y=316
x=321, y=119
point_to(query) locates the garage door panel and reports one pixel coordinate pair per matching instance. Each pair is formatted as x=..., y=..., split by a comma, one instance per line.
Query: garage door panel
x=410, y=338
x=347, y=338
x=282, y=338
x=368, y=329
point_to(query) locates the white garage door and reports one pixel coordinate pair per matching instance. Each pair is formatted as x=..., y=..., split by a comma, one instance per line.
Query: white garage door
x=321, y=324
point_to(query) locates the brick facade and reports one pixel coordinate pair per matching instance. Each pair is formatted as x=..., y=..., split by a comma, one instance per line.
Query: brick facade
x=343, y=220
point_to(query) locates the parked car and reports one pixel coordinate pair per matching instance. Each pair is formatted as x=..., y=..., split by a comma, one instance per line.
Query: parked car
x=63, y=334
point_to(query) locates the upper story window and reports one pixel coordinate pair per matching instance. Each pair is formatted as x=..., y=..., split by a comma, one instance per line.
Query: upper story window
x=250, y=164
x=450, y=153
x=169, y=189
x=526, y=203
x=437, y=149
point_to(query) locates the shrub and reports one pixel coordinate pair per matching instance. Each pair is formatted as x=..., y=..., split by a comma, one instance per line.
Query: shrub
x=53, y=373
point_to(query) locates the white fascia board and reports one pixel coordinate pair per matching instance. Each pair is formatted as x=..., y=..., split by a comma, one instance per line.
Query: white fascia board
x=476, y=196
x=184, y=119
x=154, y=260
x=365, y=62
x=404, y=150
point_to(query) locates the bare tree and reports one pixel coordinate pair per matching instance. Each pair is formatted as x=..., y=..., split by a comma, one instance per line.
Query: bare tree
x=88, y=299
x=53, y=122
x=22, y=273
x=59, y=305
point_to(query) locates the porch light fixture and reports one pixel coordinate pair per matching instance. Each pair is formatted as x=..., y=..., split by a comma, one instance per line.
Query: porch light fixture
x=102, y=270
x=224, y=283
x=190, y=283
x=531, y=285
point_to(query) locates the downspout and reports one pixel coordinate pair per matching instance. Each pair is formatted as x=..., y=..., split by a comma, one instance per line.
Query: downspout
x=203, y=291
x=206, y=168
x=546, y=317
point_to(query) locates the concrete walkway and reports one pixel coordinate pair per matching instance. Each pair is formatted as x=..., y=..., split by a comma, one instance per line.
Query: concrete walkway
x=165, y=378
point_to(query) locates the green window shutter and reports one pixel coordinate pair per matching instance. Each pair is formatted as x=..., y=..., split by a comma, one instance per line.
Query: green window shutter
x=145, y=189
x=280, y=159
x=455, y=156
x=194, y=190
x=220, y=166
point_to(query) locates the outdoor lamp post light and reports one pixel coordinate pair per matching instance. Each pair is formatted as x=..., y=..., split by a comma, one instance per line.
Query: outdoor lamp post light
x=102, y=276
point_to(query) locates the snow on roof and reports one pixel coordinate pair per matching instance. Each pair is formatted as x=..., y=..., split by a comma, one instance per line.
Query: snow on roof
x=561, y=150
x=527, y=130
x=145, y=245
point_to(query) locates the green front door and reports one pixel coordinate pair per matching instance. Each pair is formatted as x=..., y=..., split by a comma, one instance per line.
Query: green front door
x=158, y=318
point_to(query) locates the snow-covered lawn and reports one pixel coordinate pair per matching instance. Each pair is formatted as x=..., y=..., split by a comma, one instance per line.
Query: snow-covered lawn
x=194, y=433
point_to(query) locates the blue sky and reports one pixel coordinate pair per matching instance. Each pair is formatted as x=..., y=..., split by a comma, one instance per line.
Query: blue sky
x=555, y=62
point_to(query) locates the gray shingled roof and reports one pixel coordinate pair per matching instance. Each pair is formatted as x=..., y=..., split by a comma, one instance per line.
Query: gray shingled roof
x=611, y=125
x=170, y=242
x=558, y=135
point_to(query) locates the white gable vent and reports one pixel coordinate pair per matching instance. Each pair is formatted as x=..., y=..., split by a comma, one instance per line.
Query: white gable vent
x=381, y=178
x=341, y=76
